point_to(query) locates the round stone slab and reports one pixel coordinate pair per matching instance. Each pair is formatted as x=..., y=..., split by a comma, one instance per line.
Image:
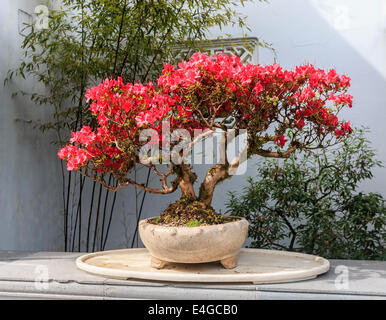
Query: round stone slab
x=254, y=265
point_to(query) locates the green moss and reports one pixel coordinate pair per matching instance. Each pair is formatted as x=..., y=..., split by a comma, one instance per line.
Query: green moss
x=156, y=220
x=212, y=172
x=192, y=177
x=194, y=223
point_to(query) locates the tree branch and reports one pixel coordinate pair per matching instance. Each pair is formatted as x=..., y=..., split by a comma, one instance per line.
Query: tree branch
x=276, y=154
x=124, y=182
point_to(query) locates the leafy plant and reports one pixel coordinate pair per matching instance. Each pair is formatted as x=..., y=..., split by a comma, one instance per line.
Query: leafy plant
x=280, y=111
x=312, y=204
x=88, y=40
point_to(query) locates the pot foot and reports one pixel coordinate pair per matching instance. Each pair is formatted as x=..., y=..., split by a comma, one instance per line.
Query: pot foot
x=229, y=263
x=157, y=263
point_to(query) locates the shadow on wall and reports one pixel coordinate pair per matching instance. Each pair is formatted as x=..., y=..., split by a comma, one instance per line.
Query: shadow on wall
x=30, y=198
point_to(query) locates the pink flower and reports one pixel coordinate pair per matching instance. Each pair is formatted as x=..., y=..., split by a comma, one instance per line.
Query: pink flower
x=300, y=124
x=258, y=88
x=341, y=99
x=306, y=94
x=84, y=136
x=281, y=141
x=332, y=76
x=74, y=156
x=345, y=81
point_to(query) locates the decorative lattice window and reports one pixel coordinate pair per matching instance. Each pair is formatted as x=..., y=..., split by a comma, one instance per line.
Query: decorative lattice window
x=245, y=48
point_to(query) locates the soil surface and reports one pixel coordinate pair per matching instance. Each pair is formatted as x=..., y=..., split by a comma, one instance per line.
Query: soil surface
x=189, y=213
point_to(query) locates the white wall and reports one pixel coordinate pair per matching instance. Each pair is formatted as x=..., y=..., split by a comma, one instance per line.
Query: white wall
x=30, y=198
x=349, y=35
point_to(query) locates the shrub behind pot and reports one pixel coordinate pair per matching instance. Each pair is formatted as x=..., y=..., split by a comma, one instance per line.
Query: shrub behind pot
x=312, y=205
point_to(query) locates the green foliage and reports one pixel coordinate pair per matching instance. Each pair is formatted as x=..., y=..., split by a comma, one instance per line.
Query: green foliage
x=88, y=40
x=194, y=223
x=311, y=204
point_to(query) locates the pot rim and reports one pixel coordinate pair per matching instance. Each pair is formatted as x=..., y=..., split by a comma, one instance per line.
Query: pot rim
x=144, y=221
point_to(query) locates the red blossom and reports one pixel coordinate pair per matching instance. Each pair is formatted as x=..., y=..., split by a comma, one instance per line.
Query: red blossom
x=194, y=93
x=281, y=141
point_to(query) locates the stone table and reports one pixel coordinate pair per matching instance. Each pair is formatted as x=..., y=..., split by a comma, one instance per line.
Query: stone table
x=53, y=275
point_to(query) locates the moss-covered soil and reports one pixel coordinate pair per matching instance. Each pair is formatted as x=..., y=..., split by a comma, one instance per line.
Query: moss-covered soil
x=190, y=213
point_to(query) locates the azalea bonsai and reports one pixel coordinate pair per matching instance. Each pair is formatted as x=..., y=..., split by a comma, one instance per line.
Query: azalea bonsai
x=281, y=111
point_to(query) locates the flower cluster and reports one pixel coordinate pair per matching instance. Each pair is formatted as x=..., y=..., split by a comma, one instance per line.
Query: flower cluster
x=75, y=157
x=209, y=92
x=225, y=87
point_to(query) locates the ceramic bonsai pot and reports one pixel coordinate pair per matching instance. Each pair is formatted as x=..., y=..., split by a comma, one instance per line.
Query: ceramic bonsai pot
x=220, y=242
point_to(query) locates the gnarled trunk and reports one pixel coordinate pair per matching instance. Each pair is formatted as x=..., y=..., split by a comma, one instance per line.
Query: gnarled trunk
x=187, y=189
x=214, y=175
x=186, y=183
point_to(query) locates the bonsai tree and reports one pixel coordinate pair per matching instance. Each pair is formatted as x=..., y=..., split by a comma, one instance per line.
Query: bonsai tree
x=281, y=111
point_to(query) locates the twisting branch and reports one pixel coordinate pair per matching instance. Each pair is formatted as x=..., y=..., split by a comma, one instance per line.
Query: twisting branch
x=276, y=154
x=124, y=182
x=187, y=179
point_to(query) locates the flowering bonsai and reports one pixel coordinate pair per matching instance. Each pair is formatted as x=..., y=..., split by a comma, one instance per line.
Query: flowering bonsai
x=281, y=111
